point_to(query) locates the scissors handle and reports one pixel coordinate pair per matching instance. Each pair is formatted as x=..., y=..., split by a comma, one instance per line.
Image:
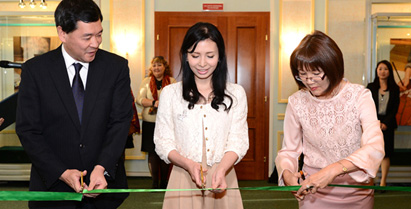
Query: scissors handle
x=202, y=177
x=81, y=180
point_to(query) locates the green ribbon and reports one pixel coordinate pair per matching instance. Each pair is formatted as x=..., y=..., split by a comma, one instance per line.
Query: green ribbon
x=61, y=196
x=39, y=196
x=390, y=188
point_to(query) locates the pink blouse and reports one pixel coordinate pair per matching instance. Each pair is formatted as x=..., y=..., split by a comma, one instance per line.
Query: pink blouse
x=328, y=130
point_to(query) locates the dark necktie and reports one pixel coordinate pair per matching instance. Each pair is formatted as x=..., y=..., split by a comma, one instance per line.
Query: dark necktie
x=78, y=90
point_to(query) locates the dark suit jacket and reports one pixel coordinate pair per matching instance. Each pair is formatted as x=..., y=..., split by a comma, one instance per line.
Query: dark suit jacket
x=392, y=107
x=49, y=128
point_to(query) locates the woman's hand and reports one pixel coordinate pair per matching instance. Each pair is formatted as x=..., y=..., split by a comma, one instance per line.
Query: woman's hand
x=321, y=179
x=383, y=126
x=292, y=179
x=218, y=182
x=194, y=169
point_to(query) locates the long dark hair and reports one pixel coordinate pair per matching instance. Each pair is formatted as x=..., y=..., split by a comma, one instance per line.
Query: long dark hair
x=391, y=84
x=196, y=33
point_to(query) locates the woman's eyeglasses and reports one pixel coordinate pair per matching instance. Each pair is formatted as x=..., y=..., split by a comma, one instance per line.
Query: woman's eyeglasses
x=313, y=78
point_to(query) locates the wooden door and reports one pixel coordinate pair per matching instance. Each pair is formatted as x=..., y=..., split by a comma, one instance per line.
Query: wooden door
x=247, y=47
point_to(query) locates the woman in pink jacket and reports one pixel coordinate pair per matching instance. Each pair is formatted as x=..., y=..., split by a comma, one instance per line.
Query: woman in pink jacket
x=334, y=124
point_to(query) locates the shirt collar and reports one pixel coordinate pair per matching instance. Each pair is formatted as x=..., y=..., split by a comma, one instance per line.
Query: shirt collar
x=70, y=60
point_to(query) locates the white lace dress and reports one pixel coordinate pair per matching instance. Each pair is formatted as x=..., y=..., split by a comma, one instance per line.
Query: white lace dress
x=328, y=130
x=185, y=130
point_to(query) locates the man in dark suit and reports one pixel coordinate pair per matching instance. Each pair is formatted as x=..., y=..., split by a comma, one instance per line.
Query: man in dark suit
x=74, y=112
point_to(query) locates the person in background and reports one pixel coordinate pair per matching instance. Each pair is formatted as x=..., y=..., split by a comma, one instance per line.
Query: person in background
x=405, y=83
x=74, y=112
x=386, y=95
x=202, y=126
x=148, y=97
x=334, y=124
x=404, y=109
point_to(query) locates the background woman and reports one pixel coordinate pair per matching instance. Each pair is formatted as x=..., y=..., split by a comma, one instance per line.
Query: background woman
x=334, y=124
x=404, y=109
x=386, y=95
x=202, y=125
x=405, y=83
x=148, y=97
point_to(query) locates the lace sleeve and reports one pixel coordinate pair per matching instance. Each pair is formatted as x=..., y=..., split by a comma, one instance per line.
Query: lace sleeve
x=287, y=158
x=238, y=140
x=371, y=153
x=164, y=130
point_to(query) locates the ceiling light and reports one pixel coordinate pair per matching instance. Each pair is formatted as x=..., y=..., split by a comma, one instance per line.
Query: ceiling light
x=22, y=4
x=43, y=4
x=32, y=4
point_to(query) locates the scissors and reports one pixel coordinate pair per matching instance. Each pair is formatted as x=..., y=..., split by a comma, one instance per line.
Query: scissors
x=202, y=177
x=81, y=180
x=302, y=176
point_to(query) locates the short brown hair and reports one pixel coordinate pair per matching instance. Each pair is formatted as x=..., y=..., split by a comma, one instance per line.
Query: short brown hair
x=160, y=59
x=318, y=52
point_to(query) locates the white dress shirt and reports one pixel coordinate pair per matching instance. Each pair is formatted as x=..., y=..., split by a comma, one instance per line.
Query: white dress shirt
x=70, y=68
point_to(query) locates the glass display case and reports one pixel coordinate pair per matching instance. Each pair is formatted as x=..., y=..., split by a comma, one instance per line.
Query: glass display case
x=21, y=38
x=391, y=40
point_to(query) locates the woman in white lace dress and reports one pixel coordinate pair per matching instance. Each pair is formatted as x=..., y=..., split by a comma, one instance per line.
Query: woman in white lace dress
x=334, y=124
x=201, y=125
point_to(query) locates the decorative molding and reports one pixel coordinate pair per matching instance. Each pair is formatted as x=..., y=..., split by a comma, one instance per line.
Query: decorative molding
x=136, y=157
x=280, y=116
x=136, y=173
x=135, y=153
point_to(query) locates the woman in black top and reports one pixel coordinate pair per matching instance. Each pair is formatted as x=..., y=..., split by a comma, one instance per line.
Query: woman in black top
x=385, y=93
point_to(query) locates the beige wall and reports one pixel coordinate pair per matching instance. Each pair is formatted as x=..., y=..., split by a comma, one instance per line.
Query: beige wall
x=347, y=27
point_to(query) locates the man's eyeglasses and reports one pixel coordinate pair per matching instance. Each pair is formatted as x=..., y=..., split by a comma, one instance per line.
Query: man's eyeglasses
x=315, y=77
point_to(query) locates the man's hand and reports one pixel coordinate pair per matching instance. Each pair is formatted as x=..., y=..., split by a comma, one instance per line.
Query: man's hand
x=97, y=181
x=72, y=178
x=1, y=121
